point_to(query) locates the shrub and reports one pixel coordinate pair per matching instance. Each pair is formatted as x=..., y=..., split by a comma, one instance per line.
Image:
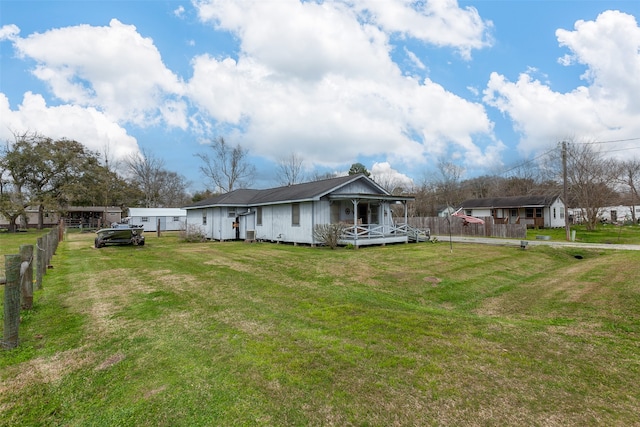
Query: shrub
x=329, y=234
x=192, y=233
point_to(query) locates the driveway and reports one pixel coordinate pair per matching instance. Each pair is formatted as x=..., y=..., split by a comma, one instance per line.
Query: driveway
x=516, y=242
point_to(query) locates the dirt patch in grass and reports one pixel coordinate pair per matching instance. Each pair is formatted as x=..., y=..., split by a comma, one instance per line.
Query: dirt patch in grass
x=234, y=265
x=112, y=360
x=45, y=370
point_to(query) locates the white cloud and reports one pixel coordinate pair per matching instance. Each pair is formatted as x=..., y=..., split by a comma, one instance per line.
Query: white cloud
x=86, y=125
x=390, y=178
x=315, y=77
x=437, y=22
x=179, y=11
x=113, y=69
x=414, y=59
x=609, y=47
x=302, y=40
x=606, y=108
x=9, y=32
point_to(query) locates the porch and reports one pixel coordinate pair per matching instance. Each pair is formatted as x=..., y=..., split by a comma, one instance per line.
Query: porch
x=374, y=234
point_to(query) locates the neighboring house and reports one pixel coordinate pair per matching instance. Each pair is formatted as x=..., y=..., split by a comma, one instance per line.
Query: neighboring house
x=74, y=216
x=290, y=214
x=534, y=211
x=612, y=214
x=445, y=210
x=170, y=219
x=92, y=216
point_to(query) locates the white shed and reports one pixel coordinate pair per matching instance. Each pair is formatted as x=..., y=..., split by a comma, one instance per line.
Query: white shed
x=169, y=219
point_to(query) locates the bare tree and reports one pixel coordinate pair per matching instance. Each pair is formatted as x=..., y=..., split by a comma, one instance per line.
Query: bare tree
x=319, y=176
x=146, y=170
x=390, y=182
x=289, y=170
x=448, y=182
x=630, y=178
x=591, y=179
x=160, y=187
x=227, y=167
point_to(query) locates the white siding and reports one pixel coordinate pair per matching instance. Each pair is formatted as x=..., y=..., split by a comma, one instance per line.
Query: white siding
x=622, y=213
x=481, y=212
x=358, y=187
x=557, y=220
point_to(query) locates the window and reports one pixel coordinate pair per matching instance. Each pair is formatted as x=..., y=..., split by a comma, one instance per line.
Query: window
x=145, y=219
x=295, y=214
x=530, y=212
x=204, y=218
x=375, y=209
x=176, y=218
x=259, y=215
x=231, y=212
x=554, y=213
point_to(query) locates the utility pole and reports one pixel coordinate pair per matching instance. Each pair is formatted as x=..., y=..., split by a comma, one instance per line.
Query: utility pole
x=565, y=191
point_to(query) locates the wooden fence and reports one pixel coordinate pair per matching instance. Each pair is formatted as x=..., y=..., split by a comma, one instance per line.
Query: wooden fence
x=20, y=284
x=440, y=226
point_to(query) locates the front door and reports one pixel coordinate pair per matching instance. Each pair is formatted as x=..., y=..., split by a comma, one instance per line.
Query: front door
x=363, y=210
x=513, y=216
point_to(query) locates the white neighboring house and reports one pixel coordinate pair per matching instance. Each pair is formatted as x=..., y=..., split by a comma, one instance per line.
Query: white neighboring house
x=170, y=219
x=611, y=214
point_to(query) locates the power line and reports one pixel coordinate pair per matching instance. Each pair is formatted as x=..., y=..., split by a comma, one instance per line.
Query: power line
x=608, y=142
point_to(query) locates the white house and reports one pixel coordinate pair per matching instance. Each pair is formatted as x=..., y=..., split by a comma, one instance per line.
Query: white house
x=534, y=211
x=169, y=219
x=611, y=214
x=290, y=213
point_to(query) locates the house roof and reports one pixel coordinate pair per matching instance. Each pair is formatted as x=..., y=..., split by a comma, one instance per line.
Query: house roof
x=93, y=209
x=510, y=202
x=157, y=212
x=292, y=193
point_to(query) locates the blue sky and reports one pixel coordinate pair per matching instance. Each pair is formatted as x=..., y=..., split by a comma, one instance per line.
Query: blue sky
x=394, y=85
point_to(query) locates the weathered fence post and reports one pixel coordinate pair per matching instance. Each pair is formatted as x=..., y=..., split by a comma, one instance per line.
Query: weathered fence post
x=61, y=230
x=40, y=263
x=11, y=301
x=26, y=277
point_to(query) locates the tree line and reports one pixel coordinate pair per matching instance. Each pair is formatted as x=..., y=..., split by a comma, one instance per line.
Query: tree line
x=594, y=181
x=51, y=175
x=38, y=171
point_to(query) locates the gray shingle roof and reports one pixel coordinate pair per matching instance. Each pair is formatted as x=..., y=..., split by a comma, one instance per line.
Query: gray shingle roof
x=297, y=192
x=510, y=202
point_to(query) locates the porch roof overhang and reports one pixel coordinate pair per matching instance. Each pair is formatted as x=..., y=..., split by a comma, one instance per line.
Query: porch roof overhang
x=374, y=197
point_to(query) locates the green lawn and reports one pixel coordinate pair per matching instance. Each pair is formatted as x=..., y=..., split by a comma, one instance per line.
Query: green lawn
x=605, y=233
x=175, y=334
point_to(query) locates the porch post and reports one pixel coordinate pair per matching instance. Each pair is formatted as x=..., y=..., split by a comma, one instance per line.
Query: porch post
x=406, y=213
x=355, y=220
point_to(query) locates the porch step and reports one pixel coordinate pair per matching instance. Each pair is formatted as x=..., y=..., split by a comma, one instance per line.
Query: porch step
x=418, y=235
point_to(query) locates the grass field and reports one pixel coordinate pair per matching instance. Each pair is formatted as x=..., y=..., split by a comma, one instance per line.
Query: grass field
x=605, y=233
x=175, y=334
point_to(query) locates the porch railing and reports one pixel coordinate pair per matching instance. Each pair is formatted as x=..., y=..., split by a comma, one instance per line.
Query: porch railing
x=376, y=231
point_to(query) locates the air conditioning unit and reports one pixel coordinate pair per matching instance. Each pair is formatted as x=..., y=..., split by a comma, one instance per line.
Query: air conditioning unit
x=251, y=235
